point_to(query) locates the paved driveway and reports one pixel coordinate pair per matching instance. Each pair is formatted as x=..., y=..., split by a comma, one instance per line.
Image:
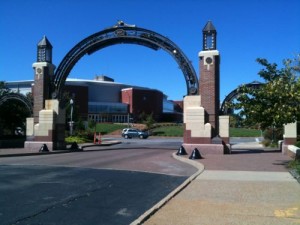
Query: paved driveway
x=98, y=186
x=65, y=195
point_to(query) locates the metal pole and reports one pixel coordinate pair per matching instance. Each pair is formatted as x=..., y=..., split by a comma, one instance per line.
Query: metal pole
x=71, y=122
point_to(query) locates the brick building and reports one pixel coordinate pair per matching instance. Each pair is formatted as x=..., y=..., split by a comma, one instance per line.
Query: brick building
x=103, y=100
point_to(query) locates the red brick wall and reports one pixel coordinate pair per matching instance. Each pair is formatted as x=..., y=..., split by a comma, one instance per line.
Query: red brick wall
x=210, y=91
x=148, y=102
x=41, y=91
x=126, y=97
x=81, y=98
x=143, y=101
x=178, y=106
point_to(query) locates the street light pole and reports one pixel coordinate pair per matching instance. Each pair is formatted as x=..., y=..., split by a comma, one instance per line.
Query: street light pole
x=71, y=122
x=128, y=114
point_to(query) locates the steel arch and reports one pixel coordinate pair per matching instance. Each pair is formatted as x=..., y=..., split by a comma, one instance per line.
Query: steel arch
x=232, y=95
x=16, y=96
x=118, y=34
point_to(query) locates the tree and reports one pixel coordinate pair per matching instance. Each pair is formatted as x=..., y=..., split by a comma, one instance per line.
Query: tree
x=149, y=121
x=277, y=101
x=13, y=114
x=3, y=88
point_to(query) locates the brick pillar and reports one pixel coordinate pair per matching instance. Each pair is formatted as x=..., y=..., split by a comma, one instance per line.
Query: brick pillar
x=290, y=133
x=210, y=87
x=43, y=71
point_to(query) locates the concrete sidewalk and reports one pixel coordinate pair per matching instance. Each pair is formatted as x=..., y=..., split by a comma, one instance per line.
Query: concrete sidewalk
x=251, y=186
x=234, y=197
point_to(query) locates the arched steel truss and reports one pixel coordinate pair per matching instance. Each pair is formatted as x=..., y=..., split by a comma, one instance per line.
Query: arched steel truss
x=124, y=33
x=232, y=95
x=19, y=97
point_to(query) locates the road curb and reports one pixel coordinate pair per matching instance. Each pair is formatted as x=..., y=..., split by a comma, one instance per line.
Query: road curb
x=106, y=143
x=171, y=195
x=34, y=153
x=28, y=153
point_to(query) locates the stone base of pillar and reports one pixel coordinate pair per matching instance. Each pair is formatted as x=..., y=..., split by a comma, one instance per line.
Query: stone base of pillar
x=50, y=130
x=290, y=150
x=59, y=145
x=290, y=141
x=35, y=146
x=207, y=149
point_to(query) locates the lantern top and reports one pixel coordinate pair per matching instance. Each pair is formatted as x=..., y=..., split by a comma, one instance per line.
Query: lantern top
x=209, y=37
x=45, y=42
x=209, y=27
x=44, y=51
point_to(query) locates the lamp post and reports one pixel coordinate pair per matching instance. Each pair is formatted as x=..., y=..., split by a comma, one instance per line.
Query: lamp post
x=128, y=102
x=71, y=114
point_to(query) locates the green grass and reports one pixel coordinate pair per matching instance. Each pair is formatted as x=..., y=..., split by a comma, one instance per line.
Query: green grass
x=170, y=131
x=177, y=131
x=106, y=128
x=243, y=132
x=295, y=164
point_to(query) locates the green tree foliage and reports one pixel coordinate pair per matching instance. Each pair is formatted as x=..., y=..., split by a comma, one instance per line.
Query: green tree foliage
x=149, y=121
x=236, y=121
x=277, y=102
x=13, y=113
x=3, y=88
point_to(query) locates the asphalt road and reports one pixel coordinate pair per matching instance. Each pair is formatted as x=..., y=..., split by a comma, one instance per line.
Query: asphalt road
x=101, y=185
x=60, y=195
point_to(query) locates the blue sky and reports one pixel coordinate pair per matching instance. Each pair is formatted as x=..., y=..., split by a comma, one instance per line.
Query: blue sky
x=246, y=30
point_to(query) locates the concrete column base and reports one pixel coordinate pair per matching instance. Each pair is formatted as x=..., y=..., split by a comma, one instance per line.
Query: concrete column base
x=206, y=149
x=35, y=146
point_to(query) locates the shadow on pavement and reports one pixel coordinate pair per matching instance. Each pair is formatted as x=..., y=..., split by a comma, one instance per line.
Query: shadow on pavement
x=253, y=151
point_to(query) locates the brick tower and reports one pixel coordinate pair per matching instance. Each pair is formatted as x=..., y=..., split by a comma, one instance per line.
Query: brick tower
x=47, y=125
x=43, y=71
x=204, y=129
x=210, y=76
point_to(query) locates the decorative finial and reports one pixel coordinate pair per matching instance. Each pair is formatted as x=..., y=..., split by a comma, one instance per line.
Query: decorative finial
x=121, y=23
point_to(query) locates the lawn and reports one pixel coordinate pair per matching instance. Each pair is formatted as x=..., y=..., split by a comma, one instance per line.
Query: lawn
x=177, y=131
x=244, y=132
x=169, y=131
x=106, y=128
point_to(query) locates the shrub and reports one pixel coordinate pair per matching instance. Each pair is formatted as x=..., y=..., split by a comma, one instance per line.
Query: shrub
x=266, y=142
x=295, y=164
x=275, y=134
x=78, y=140
x=85, y=134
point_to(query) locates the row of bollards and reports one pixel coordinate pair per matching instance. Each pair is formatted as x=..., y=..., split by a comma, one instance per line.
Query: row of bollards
x=195, y=154
x=74, y=147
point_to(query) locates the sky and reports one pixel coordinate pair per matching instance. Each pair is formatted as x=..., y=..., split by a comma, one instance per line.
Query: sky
x=246, y=30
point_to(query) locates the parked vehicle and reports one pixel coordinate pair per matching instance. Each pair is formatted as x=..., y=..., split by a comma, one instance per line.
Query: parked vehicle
x=132, y=133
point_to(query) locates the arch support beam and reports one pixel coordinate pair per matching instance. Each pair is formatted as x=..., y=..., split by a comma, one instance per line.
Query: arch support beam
x=119, y=34
x=233, y=94
x=19, y=97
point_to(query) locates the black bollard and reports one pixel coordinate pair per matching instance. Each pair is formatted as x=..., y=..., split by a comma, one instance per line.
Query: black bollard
x=75, y=147
x=195, y=154
x=181, y=151
x=297, y=156
x=44, y=148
